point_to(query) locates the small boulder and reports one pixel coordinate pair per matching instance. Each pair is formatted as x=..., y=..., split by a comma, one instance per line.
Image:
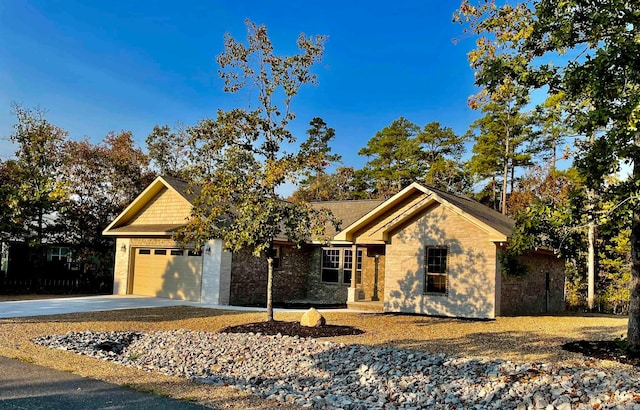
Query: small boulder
x=313, y=318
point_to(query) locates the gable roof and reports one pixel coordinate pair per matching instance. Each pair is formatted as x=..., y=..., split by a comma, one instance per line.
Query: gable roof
x=497, y=225
x=345, y=212
x=120, y=225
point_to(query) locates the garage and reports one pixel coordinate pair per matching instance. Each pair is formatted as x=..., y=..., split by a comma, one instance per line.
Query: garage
x=167, y=273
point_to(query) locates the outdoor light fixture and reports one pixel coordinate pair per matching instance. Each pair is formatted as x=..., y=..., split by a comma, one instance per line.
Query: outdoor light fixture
x=123, y=248
x=207, y=250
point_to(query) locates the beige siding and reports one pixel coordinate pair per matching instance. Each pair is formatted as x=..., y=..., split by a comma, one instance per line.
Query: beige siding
x=471, y=267
x=374, y=232
x=168, y=207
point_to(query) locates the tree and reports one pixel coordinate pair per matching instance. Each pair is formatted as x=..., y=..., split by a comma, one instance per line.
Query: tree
x=39, y=192
x=343, y=184
x=316, y=185
x=395, y=158
x=169, y=151
x=442, y=155
x=101, y=180
x=9, y=221
x=502, y=72
x=606, y=36
x=503, y=139
x=551, y=118
x=243, y=149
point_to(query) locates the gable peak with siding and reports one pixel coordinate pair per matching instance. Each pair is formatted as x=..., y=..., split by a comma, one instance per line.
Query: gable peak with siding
x=498, y=226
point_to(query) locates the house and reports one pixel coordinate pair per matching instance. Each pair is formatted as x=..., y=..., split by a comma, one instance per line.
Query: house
x=421, y=251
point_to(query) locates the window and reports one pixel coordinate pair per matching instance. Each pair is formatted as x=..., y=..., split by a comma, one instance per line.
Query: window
x=277, y=251
x=436, y=270
x=193, y=252
x=337, y=265
x=331, y=265
x=160, y=252
x=57, y=254
x=144, y=251
x=176, y=252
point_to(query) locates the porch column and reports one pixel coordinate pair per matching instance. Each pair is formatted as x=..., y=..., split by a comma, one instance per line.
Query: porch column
x=352, y=294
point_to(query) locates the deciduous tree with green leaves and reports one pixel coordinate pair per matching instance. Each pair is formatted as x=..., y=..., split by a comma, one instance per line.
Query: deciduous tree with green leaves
x=169, y=150
x=39, y=192
x=606, y=39
x=245, y=152
x=101, y=180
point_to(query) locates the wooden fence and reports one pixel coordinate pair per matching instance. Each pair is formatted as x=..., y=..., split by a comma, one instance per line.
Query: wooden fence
x=59, y=285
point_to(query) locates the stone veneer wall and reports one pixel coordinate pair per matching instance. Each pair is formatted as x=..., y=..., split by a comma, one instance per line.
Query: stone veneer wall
x=471, y=267
x=318, y=291
x=249, y=277
x=526, y=295
x=121, y=267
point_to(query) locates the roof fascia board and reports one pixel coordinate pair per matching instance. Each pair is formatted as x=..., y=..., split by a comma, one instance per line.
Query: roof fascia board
x=494, y=235
x=137, y=204
x=347, y=233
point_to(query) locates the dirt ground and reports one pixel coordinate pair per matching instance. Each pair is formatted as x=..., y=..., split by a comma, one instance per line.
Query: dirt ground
x=520, y=339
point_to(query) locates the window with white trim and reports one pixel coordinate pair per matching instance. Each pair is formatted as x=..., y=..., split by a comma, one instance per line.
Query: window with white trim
x=435, y=269
x=337, y=265
x=57, y=253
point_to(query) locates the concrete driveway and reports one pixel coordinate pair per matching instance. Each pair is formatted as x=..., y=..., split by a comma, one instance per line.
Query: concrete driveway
x=42, y=307
x=39, y=307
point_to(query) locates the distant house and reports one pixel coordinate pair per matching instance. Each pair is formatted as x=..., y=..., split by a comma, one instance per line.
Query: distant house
x=421, y=251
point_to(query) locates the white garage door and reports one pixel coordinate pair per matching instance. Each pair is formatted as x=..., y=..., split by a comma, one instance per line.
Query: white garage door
x=167, y=273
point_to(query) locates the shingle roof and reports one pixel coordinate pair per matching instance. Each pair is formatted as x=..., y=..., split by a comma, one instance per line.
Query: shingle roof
x=346, y=212
x=489, y=216
x=181, y=186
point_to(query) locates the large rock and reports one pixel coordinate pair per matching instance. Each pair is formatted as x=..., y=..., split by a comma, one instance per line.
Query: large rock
x=312, y=318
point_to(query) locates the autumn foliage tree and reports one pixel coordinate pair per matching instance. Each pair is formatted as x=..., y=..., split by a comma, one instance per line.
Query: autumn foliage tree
x=100, y=181
x=245, y=161
x=607, y=37
x=38, y=192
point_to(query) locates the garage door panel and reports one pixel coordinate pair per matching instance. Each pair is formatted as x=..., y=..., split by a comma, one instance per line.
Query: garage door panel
x=167, y=275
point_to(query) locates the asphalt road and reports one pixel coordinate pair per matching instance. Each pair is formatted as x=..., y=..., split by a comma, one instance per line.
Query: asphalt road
x=28, y=386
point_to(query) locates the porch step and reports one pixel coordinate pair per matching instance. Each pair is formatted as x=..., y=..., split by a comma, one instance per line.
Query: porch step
x=367, y=305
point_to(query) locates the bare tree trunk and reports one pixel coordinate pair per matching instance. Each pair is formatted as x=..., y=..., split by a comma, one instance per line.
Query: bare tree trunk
x=493, y=188
x=270, y=289
x=591, y=256
x=591, y=276
x=633, y=328
x=505, y=176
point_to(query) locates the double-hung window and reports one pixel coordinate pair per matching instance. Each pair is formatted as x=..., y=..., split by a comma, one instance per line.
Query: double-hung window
x=436, y=269
x=337, y=265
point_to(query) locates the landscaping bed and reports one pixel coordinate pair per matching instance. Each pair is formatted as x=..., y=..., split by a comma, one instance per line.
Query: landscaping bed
x=519, y=339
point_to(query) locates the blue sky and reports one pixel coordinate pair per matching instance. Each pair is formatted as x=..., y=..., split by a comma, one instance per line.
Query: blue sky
x=100, y=66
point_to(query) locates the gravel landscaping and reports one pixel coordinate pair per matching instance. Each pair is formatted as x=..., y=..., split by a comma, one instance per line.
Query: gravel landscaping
x=514, y=340
x=321, y=374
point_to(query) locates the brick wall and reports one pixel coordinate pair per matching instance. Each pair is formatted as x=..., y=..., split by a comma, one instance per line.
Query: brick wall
x=249, y=277
x=526, y=295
